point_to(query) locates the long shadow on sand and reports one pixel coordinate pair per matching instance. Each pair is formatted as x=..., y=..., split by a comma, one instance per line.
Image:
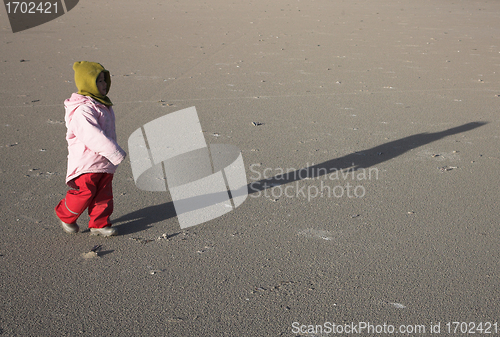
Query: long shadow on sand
x=142, y=219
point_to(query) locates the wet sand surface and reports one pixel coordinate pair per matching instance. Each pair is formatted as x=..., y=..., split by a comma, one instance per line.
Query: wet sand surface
x=397, y=100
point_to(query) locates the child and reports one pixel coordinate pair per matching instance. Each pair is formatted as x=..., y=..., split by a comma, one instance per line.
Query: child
x=93, y=151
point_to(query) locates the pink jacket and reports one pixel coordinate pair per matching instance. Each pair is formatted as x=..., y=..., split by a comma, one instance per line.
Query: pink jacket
x=91, y=138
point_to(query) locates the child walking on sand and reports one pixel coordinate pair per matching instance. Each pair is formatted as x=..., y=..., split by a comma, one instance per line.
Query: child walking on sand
x=93, y=151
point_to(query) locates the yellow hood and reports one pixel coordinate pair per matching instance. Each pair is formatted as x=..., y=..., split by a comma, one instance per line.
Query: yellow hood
x=86, y=74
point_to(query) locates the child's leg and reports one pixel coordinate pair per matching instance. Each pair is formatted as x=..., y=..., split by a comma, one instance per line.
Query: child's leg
x=76, y=201
x=101, y=206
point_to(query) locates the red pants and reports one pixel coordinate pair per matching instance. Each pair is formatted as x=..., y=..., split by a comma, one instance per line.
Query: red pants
x=94, y=192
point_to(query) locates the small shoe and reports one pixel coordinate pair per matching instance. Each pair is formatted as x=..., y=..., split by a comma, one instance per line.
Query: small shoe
x=105, y=231
x=71, y=228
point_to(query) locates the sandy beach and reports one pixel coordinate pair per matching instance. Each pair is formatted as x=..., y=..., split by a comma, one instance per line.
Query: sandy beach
x=397, y=100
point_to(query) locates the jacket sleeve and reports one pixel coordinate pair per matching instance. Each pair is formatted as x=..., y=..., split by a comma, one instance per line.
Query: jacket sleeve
x=86, y=128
